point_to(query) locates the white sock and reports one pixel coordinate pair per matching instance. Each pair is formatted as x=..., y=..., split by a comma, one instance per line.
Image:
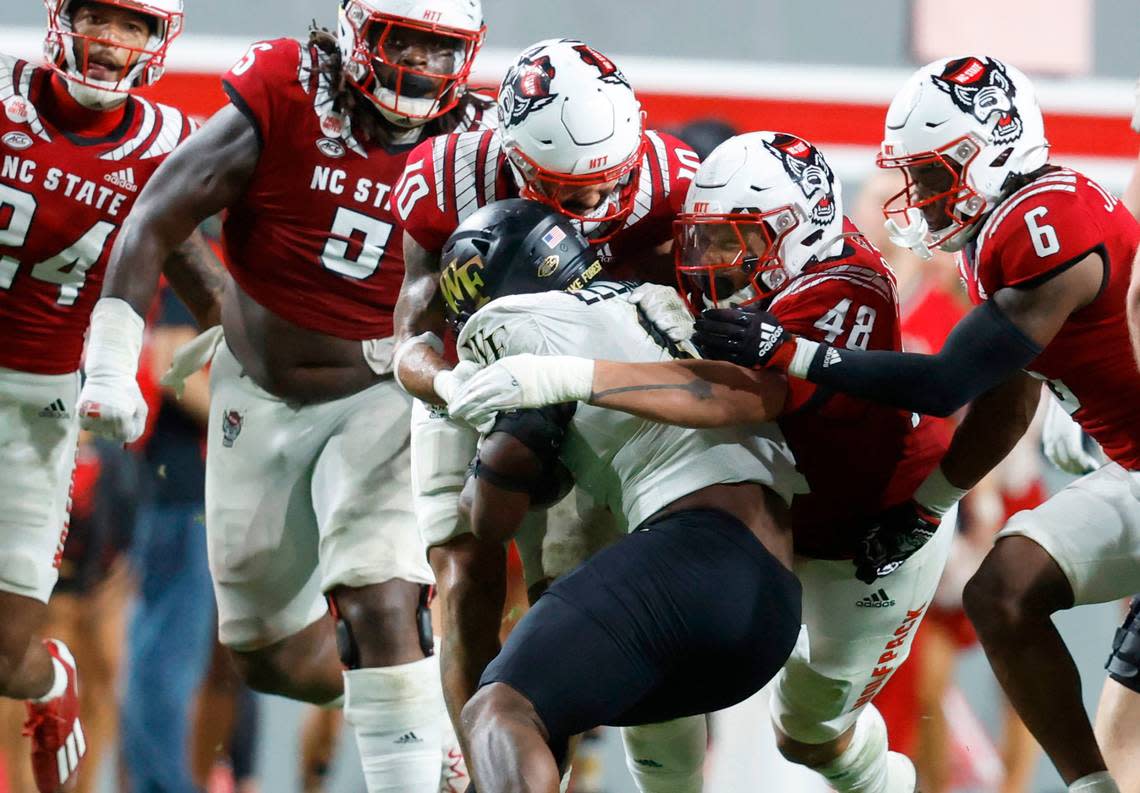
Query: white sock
x=58, y=683
x=397, y=713
x=862, y=768
x=1100, y=782
x=667, y=757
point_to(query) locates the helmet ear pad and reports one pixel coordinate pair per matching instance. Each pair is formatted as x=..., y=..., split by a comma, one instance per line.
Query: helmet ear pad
x=512, y=247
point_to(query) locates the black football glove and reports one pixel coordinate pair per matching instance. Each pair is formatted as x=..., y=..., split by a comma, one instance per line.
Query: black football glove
x=894, y=536
x=746, y=338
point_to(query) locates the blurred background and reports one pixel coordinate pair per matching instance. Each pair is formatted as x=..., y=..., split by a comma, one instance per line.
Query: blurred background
x=825, y=70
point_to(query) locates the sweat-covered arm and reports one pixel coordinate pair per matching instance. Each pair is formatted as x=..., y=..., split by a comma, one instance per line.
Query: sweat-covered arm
x=420, y=325
x=204, y=175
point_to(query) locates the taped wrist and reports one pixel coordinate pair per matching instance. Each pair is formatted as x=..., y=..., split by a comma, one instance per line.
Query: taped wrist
x=981, y=352
x=429, y=338
x=937, y=494
x=114, y=341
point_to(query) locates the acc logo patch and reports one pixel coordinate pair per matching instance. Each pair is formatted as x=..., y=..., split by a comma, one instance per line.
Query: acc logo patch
x=330, y=147
x=17, y=140
x=548, y=266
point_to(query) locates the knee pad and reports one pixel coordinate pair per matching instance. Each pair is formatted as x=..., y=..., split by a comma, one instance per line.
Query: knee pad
x=668, y=757
x=347, y=646
x=1123, y=663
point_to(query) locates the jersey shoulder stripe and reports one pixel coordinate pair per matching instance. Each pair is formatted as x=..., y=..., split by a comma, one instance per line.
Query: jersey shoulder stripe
x=16, y=80
x=1063, y=181
x=847, y=274
x=146, y=128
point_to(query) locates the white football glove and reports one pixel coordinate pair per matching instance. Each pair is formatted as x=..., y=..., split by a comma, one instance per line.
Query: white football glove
x=1063, y=441
x=111, y=404
x=446, y=381
x=913, y=235
x=665, y=309
x=521, y=381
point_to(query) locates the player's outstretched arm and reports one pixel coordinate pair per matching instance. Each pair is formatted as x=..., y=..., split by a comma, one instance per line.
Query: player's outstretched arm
x=993, y=341
x=689, y=393
x=204, y=175
x=420, y=326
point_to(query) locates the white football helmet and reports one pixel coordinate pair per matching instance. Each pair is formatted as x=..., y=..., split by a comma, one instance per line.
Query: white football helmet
x=569, y=122
x=66, y=51
x=408, y=96
x=964, y=127
x=761, y=208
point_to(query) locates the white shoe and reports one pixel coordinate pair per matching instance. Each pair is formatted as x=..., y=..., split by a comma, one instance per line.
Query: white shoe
x=901, y=776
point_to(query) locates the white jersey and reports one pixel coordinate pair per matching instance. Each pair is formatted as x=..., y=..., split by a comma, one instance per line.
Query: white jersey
x=633, y=465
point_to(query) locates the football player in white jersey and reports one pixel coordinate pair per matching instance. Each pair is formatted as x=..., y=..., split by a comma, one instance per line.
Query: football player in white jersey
x=707, y=510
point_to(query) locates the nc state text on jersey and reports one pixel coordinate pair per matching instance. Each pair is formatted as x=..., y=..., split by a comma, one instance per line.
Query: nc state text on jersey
x=332, y=180
x=85, y=191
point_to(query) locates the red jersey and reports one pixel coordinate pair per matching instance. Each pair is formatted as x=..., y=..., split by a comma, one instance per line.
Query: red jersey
x=314, y=238
x=858, y=457
x=1039, y=231
x=449, y=177
x=63, y=199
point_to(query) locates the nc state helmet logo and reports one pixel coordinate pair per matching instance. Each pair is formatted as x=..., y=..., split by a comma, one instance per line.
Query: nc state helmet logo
x=527, y=88
x=807, y=168
x=609, y=72
x=981, y=87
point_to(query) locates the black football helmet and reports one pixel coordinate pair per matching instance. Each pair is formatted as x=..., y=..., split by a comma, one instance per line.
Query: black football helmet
x=512, y=247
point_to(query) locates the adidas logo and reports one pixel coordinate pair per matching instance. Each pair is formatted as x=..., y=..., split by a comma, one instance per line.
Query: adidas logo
x=832, y=356
x=124, y=178
x=56, y=410
x=769, y=337
x=408, y=737
x=876, y=600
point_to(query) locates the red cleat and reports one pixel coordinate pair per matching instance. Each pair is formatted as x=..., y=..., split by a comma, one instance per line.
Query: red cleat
x=57, y=737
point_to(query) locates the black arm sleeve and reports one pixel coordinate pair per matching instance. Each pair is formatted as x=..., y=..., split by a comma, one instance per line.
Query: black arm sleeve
x=981, y=352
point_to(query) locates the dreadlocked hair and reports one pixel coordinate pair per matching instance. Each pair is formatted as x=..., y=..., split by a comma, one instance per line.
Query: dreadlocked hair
x=367, y=122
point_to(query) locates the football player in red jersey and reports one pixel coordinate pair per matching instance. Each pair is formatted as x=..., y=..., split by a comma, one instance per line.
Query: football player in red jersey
x=763, y=225
x=76, y=149
x=306, y=481
x=1046, y=254
x=570, y=134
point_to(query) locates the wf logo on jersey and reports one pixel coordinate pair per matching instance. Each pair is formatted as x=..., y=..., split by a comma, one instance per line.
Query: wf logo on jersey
x=231, y=427
x=527, y=88
x=983, y=88
x=810, y=171
x=610, y=73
